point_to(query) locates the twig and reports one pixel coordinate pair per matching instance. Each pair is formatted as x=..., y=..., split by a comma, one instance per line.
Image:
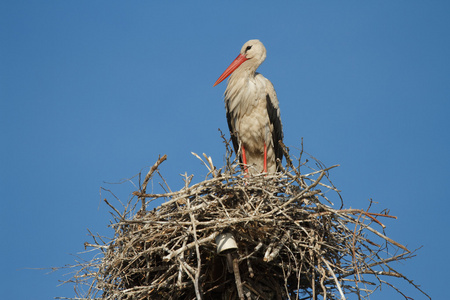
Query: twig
x=189, y=246
x=237, y=277
x=335, y=279
x=148, y=176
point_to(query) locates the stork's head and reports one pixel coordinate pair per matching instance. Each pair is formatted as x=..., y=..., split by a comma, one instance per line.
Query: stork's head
x=253, y=53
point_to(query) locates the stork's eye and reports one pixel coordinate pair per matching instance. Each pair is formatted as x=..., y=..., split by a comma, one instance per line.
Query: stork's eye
x=248, y=48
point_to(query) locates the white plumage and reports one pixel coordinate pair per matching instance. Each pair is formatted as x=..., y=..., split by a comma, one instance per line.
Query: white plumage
x=253, y=112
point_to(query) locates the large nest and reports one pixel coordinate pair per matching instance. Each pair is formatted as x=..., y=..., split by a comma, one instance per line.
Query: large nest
x=291, y=242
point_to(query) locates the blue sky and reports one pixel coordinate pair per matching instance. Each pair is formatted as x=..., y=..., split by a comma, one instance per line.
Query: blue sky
x=93, y=91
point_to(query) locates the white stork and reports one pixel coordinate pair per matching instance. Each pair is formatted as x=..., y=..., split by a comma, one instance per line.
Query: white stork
x=252, y=109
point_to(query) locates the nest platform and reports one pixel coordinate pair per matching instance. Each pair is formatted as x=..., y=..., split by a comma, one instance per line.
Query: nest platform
x=292, y=242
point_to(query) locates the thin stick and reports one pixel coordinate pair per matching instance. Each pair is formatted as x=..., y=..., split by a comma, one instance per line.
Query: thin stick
x=148, y=176
x=197, y=250
x=237, y=277
x=190, y=245
x=335, y=279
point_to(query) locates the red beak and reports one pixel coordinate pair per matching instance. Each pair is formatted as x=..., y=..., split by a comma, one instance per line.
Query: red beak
x=234, y=65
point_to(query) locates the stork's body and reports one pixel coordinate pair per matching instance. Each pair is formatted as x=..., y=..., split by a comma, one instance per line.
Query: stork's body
x=252, y=109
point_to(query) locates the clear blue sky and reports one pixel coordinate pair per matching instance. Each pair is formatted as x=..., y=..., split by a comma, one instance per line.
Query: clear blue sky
x=94, y=91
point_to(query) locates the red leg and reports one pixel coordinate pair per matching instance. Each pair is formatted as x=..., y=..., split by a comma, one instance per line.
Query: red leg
x=265, y=158
x=244, y=159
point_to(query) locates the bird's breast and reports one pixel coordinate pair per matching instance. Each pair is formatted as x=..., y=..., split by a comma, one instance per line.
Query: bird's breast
x=247, y=105
x=244, y=94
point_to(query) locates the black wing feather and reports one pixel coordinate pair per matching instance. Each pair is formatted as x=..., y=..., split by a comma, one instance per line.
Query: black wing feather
x=234, y=138
x=275, y=120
